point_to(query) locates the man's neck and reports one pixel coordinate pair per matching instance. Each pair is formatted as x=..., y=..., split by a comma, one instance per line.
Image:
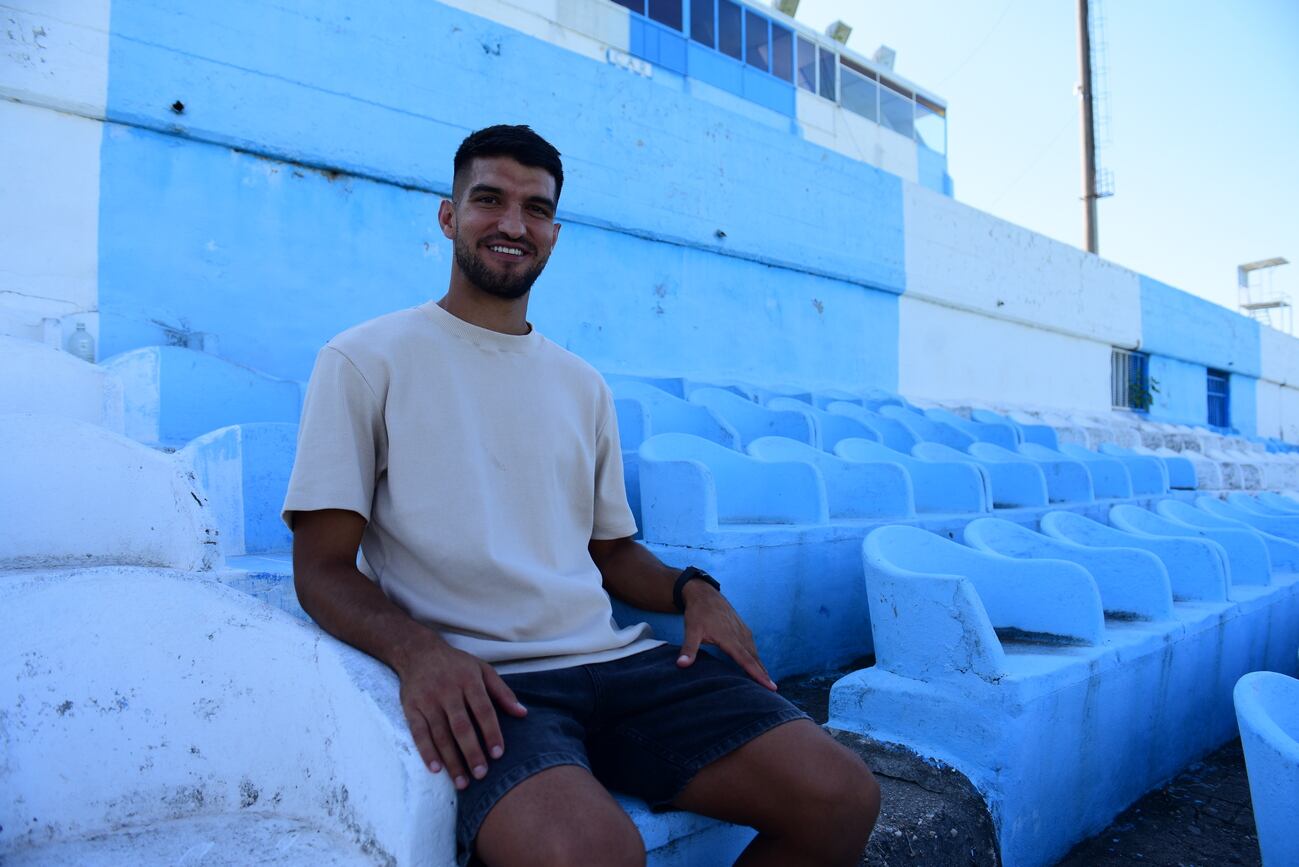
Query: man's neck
x=487, y=311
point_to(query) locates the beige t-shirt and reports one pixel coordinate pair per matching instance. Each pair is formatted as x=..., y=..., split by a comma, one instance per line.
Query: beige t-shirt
x=483, y=464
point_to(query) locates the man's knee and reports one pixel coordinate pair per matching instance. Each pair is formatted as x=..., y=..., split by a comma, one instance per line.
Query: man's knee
x=837, y=809
x=606, y=839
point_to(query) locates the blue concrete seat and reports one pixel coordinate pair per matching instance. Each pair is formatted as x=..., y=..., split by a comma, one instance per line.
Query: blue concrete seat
x=1247, y=556
x=925, y=429
x=673, y=385
x=763, y=528
x=1133, y=583
x=752, y=421
x=1262, y=503
x=986, y=432
x=1243, y=508
x=829, y=427
x=1067, y=480
x=959, y=680
x=1012, y=482
x=890, y=432
x=1113, y=478
x=1147, y=473
x=854, y=489
x=1181, y=471
x=244, y=471
x=822, y=398
x=1028, y=432
x=939, y=486
x=645, y=410
x=1267, y=708
x=1215, y=514
x=1197, y=568
x=173, y=395
x=1283, y=504
x=162, y=716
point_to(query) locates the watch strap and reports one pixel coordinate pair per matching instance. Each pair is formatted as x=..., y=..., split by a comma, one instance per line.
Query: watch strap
x=690, y=573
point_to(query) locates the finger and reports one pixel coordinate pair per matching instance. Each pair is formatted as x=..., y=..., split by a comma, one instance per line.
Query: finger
x=690, y=647
x=502, y=694
x=746, y=656
x=419, y=731
x=485, y=716
x=466, y=736
x=450, y=753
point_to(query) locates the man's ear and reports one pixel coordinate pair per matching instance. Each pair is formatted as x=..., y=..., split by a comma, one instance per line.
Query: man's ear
x=447, y=218
x=555, y=239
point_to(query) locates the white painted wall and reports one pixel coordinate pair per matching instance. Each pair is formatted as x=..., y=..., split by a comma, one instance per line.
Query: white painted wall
x=54, y=53
x=1278, y=387
x=49, y=225
x=964, y=258
x=949, y=354
x=996, y=313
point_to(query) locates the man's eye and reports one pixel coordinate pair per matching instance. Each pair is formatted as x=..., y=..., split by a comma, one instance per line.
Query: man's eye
x=539, y=211
x=486, y=200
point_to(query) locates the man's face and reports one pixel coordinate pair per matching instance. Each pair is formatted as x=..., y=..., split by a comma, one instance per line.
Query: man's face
x=502, y=222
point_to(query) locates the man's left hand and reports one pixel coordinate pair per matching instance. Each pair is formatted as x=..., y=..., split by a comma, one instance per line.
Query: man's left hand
x=710, y=619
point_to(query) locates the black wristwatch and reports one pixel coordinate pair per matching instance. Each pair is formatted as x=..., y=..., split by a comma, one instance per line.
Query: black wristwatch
x=690, y=573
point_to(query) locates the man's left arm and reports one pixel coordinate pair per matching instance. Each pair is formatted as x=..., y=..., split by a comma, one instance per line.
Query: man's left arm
x=635, y=576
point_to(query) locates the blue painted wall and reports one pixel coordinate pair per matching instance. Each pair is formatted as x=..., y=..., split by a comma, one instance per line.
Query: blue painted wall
x=200, y=236
x=1183, y=392
x=1182, y=326
x=931, y=170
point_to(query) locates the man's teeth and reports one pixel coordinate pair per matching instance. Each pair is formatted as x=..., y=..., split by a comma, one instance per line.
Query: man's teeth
x=512, y=251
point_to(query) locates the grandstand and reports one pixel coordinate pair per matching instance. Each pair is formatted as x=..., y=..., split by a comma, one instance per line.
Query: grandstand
x=907, y=437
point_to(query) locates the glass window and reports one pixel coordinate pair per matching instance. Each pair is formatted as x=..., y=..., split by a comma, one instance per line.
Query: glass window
x=897, y=111
x=827, y=69
x=666, y=12
x=728, y=29
x=633, y=5
x=807, y=64
x=757, y=49
x=1130, y=380
x=931, y=125
x=858, y=90
x=702, y=26
x=1219, y=399
x=782, y=52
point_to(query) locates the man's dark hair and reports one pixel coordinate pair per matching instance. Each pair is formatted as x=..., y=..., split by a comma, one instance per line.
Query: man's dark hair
x=519, y=143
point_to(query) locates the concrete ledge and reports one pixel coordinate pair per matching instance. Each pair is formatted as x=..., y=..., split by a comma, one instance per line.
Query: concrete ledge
x=1267, y=707
x=41, y=379
x=164, y=706
x=76, y=494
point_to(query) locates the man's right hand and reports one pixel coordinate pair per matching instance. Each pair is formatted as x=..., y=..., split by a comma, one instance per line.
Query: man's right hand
x=449, y=698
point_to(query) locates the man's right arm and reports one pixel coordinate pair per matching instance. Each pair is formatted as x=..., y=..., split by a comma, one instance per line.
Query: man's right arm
x=444, y=691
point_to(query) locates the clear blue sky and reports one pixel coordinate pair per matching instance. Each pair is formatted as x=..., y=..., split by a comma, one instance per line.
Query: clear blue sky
x=1203, y=117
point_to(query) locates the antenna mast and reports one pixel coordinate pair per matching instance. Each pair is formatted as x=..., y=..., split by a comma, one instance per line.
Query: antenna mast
x=1088, y=130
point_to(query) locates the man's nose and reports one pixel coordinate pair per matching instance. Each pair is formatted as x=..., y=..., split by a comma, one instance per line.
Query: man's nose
x=511, y=222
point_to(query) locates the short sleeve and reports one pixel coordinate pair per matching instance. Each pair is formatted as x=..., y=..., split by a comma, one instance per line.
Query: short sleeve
x=613, y=517
x=342, y=441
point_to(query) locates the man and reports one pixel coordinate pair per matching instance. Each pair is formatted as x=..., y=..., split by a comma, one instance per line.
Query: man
x=476, y=466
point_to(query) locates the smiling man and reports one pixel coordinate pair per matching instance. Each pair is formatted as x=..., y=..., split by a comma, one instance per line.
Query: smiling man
x=476, y=467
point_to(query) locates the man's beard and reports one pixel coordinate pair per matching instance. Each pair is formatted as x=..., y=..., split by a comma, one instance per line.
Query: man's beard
x=491, y=282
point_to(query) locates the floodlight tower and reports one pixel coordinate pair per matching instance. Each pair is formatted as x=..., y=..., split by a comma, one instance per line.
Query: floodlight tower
x=1262, y=303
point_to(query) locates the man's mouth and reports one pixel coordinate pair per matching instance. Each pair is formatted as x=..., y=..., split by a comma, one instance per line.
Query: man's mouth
x=507, y=250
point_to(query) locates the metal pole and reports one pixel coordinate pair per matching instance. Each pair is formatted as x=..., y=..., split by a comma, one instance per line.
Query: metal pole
x=1088, y=131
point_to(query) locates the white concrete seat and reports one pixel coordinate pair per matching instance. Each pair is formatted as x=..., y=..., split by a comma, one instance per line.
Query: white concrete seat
x=161, y=716
x=1267, y=708
x=75, y=494
x=41, y=379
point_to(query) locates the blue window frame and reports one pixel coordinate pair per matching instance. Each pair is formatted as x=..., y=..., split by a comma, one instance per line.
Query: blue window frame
x=633, y=5
x=1130, y=380
x=1219, y=389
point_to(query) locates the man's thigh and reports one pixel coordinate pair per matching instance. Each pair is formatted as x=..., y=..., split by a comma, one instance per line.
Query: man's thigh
x=562, y=815
x=760, y=783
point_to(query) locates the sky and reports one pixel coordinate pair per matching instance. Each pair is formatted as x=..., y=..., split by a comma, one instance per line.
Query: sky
x=1203, y=122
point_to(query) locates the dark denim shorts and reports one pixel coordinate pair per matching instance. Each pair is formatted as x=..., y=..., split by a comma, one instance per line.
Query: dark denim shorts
x=640, y=724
